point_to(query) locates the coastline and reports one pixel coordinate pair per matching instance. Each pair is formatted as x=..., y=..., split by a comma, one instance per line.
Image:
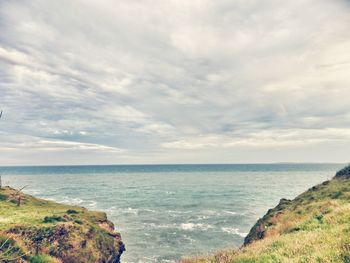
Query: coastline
x=313, y=227
x=310, y=211
x=38, y=230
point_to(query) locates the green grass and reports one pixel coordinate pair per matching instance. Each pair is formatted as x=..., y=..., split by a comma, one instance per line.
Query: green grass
x=39, y=228
x=33, y=212
x=42, y=259
x=314, y=227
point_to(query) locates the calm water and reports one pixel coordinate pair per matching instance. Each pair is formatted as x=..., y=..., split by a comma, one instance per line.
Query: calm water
x=167, y=211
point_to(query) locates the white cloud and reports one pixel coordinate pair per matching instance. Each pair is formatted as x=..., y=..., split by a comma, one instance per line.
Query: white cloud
x=266, y=139
x=168, y=77
x=24, y=143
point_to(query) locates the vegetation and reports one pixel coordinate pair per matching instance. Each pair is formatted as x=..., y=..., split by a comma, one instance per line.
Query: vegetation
x=44, y=231
x=314, y=227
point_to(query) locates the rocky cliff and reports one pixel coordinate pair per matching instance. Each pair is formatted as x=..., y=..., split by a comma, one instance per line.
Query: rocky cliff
x=36, y=230
x=323, y=191
x=314, y=227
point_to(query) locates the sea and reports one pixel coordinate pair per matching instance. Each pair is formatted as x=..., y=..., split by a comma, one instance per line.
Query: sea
x=165, y=212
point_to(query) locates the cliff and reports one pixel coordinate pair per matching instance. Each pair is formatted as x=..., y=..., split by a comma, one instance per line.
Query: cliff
x=43, y=231
x=314, y=227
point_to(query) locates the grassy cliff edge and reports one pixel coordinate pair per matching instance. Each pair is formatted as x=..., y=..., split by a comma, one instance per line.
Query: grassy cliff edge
x=44, y=231
x=314, y=227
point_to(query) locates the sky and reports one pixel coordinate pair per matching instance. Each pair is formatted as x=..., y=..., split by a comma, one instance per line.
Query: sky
x=173, y=81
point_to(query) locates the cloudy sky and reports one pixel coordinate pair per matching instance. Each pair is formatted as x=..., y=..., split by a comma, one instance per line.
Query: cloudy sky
x=141, y=81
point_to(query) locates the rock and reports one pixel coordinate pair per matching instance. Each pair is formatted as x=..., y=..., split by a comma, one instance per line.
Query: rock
x=258, y=230
x=343, y=173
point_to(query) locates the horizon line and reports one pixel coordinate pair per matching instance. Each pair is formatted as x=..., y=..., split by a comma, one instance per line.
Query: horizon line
x=166, y=164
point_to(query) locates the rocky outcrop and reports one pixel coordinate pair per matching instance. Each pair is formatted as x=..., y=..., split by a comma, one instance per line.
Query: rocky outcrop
x=343, y=173
x=313, y=227
x=258, y=230
x=44, y=231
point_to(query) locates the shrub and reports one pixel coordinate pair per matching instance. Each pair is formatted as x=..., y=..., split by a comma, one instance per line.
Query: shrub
x=336, y=195
x=3, y=197
x=78, y=221
x=72, y=211
x=52, y=219
x=319, y=218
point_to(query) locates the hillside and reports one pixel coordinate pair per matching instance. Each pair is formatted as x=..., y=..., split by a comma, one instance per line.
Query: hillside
x=314, y=227
x=44, y=231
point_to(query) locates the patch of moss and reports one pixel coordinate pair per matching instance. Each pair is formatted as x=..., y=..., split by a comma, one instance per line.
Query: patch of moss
x=53, y=219
x=3, y=197
x=72, y=211
x=78, y=221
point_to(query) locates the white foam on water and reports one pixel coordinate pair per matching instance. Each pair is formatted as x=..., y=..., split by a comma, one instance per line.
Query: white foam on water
x=192, y=226
x=234, y=231
x=131, y=210
x=210, y=212
x=154, y=225
x=203, y=217
x=92, y=204
x=189, y=239
x=74, y=200
x=179, y=212
x=149, y=210
x=110, y=210
x=230, y=212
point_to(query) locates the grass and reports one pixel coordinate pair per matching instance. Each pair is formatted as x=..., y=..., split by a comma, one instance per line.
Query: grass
x=35, y=212
x=43, y=259
x=9, y=250
x=44, y=231
x=314, y=227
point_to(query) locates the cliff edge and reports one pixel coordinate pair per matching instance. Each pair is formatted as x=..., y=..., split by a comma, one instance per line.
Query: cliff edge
x=314, y=227
x=36, y=230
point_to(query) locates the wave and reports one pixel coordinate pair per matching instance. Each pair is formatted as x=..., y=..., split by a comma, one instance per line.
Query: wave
x=193, y=226
x=154, y=225
x=230, y=212
x=128, y=210
x=131, y=210
x=92, y=204
x=155, y=259
x=149, y=210
x=179, y=212
x=191, y=240
x=233, y=230
x=70, y=200
x=202, y=217
x=34, y=192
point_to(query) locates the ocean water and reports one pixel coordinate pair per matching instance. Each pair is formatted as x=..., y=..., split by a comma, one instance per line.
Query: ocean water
x=167, y=211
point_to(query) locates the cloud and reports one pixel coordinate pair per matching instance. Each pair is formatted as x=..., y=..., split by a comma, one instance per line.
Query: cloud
x=159, y=80
x=265, y=139
x=23, y=143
